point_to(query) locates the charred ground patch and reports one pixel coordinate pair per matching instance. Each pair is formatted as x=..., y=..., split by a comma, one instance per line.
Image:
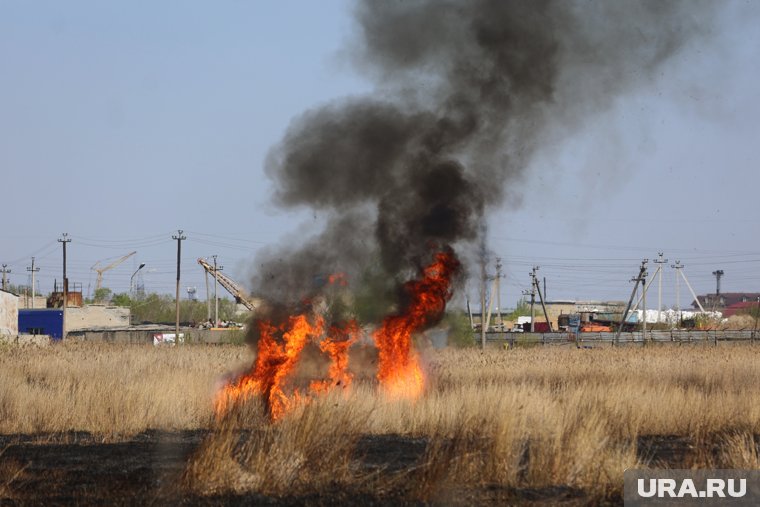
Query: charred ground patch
x=80, y=468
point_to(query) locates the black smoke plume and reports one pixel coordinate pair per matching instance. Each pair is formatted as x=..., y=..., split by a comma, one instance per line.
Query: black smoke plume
x=467, y=91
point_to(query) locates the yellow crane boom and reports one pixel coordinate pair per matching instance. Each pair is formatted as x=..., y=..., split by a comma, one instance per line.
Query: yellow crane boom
x=228, y=283
x=100, y=271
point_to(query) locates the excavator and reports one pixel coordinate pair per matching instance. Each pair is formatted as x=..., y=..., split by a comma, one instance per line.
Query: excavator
x=232, y=287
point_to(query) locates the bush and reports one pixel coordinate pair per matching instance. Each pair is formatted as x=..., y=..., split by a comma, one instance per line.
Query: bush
x=460, y=333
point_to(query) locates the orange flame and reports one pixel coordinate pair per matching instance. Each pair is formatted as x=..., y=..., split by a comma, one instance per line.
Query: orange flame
x=273, y=364
x=336, y=345
x=338, y=278
x=399, y=370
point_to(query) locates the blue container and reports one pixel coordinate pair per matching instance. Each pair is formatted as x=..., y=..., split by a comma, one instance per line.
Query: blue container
x=46, y=321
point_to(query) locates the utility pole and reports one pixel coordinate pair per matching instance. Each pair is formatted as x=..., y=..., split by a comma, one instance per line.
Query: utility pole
x=691, y=289
x=526, y=293
x=659, y=261
x=5, y=272
x=498, y=293
x=718, y=275
x=483, y=280
x=216, y=299
x=533, y=299
x=33, y=270
x=63, y=240
x=469, y=312
x=638, y=279
x=644, y=302
x=677, y=266
x=179, y=238
x=208, y=298
x=543, y=303
x=483, y=304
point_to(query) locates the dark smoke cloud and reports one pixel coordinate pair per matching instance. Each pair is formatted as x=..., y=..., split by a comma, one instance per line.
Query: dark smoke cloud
x=466, y=93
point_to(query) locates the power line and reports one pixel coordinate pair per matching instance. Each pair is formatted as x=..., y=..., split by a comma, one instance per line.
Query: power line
x=154, y=237
x=51, y=245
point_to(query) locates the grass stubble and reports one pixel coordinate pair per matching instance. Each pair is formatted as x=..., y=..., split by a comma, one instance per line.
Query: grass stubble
x=499, y=426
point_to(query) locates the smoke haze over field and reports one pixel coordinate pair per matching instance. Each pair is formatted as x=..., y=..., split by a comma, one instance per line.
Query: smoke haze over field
x=467, y=93
x=157, y=117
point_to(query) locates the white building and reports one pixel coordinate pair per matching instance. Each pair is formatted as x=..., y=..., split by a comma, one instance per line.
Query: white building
x=8, y=314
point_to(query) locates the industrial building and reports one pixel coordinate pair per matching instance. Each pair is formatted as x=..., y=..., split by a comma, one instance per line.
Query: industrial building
x=49, y=321
x=720, y=301
x=602, y=312
x=588, y=312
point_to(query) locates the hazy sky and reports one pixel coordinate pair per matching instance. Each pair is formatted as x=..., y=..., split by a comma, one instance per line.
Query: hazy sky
x=121, y=122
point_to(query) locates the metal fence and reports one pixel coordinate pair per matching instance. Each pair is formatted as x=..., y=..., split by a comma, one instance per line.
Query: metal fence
x=590, y=339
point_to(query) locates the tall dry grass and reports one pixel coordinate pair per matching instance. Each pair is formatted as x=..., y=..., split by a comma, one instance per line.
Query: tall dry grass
x=110, y=389
x=507, y=419
x=544, y=417
x=311, y=450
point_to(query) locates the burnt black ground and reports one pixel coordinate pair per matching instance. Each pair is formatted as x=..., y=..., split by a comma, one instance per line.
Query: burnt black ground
x=79, y=469
x=74, y=468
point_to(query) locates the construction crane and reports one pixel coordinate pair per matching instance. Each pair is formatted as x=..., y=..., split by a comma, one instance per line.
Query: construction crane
x=100, y=271
x=232, y=287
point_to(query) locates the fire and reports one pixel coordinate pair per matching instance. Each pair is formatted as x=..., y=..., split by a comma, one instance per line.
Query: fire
x=274, y=362
x=336, y=345
x=399, y=370
x=338, y=279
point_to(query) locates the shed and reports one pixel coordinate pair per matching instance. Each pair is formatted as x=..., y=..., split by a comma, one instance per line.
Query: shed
x=43, y=321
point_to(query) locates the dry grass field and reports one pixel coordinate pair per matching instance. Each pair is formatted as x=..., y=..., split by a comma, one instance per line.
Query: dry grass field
x=558, y=424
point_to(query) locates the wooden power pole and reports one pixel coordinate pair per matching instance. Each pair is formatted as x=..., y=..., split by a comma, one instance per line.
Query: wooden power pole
x=638, y=279
x=483, y=279
x=216, y=298
x=533, y=299
x=5, y=271
x=541, y=298
x=33, y=271
x=179, y=238
x=659, y=261
x=64, y=240
x=497, y=290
